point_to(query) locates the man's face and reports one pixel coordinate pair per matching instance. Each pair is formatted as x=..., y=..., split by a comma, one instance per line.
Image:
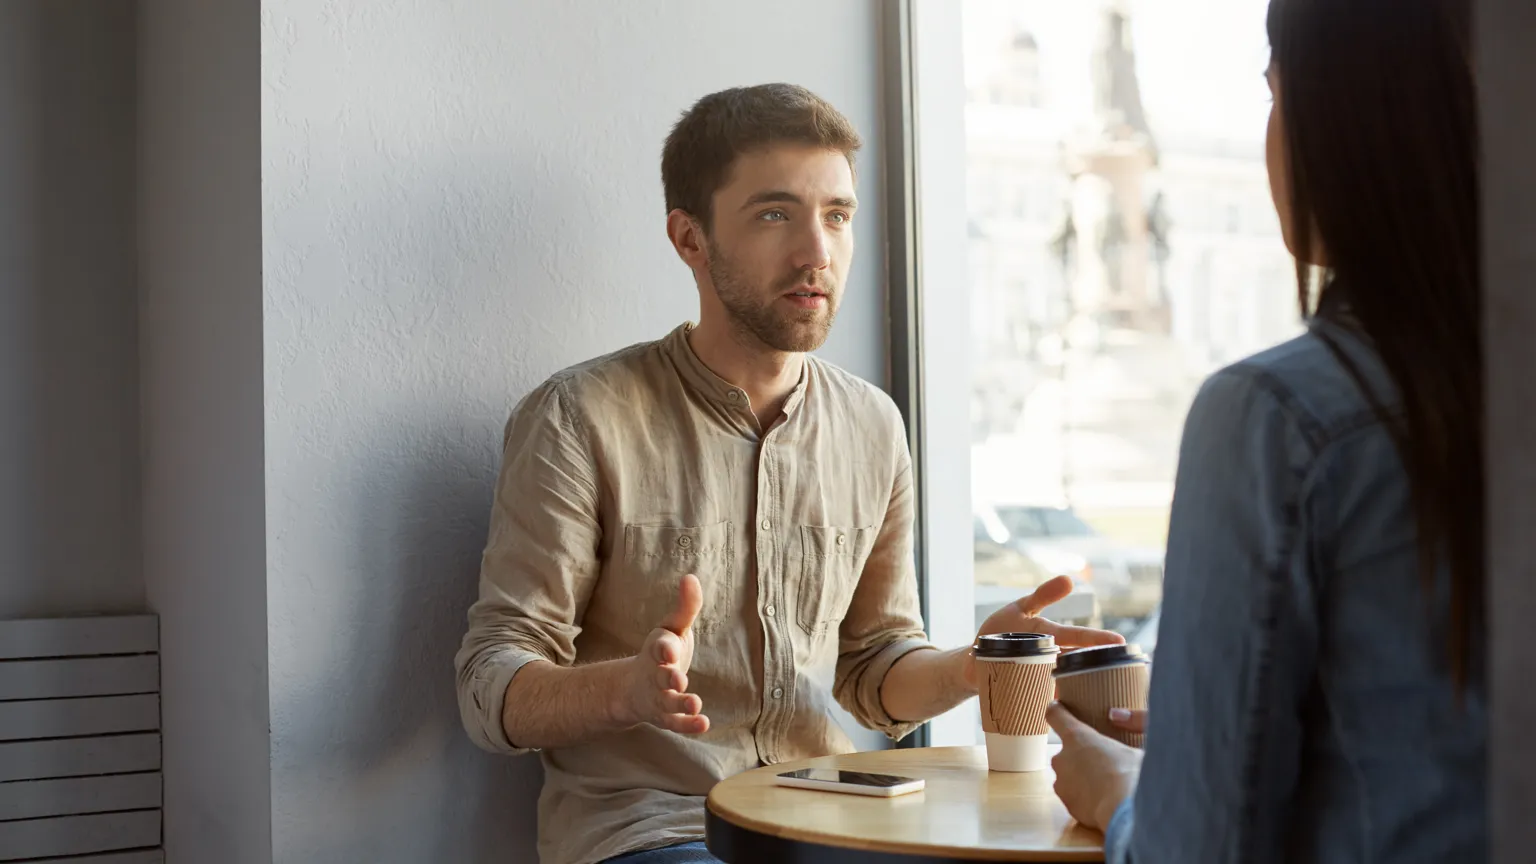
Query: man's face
x=781, y=243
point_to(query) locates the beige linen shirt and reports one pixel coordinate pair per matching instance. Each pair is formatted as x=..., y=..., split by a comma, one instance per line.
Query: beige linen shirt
x=624, y=473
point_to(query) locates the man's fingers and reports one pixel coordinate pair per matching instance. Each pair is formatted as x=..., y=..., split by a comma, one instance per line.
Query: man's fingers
x=685, y=724
x=673, y=702
x=1051, y=591
x=670, y=678
x=668, y=648
x=1066, y=724
x=690, y=598
x=1068, y=636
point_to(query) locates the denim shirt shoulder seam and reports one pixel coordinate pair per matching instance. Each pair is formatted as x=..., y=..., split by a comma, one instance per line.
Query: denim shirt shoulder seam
x=1311, y=427
x=1319, y=436
x=1314, y=434
x=1319, y=575
x=1259, y=709
x=1318, y=432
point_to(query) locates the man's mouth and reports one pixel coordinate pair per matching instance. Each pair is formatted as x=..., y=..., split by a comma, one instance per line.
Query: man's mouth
x=809, y=289
x=807, y=298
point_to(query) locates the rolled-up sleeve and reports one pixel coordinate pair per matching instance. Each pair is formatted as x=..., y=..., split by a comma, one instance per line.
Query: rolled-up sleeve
x=539, y=564
x=884, y=622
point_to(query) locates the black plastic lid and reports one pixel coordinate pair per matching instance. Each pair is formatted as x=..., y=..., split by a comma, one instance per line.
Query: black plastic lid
x=1004, y=646
x=1098, y=657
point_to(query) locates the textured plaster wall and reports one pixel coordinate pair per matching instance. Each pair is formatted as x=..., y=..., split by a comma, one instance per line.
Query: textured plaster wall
x=458, y=200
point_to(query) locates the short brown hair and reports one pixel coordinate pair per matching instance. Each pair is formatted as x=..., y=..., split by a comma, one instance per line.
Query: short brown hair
x=701, y=148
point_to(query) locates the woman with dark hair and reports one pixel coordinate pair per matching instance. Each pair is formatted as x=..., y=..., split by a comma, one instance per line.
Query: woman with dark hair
x=1318, y=692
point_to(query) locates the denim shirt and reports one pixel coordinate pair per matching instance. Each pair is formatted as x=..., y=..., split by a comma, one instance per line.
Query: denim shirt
x=1301, y=705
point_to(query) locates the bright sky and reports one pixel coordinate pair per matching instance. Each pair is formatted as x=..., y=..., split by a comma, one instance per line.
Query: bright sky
x=1201, y=61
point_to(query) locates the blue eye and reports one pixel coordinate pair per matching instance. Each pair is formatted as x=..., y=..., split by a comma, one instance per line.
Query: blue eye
x=840, y=218
x=773, y=215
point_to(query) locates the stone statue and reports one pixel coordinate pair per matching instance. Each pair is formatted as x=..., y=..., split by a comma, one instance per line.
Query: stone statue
x=1113, y=240
x=1116, y=91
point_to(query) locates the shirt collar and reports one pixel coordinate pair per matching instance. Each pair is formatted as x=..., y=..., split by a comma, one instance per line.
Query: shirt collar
x=704, y=381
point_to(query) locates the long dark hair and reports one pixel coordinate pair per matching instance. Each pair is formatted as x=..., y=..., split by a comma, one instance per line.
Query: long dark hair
x=1378, y=103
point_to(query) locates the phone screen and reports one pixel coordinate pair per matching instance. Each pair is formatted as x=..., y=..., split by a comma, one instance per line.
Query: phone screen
x=852, y=778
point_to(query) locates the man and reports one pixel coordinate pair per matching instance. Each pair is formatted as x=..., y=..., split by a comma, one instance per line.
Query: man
x=687, y=531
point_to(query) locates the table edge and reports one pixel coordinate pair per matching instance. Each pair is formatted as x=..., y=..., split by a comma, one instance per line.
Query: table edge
x=735, y=844
x=773, y=844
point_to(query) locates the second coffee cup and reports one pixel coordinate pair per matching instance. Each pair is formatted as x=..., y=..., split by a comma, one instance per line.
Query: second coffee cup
x=1090, y=681
x=1013, y=673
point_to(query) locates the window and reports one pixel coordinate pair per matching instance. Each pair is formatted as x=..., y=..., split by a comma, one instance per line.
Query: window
x=1123, y=247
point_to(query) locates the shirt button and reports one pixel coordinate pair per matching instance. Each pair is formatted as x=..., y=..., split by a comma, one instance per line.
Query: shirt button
x=778, y=692
x=685, y=541
x=734, y=396
x=842, y=539
x=770, y=611
x=767, y=525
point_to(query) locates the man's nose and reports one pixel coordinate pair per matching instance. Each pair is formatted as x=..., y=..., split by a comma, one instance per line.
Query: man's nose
x=813, y=252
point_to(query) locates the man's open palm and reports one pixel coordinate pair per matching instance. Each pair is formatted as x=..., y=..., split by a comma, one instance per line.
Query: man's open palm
x=1023, y=616
x=659, y=690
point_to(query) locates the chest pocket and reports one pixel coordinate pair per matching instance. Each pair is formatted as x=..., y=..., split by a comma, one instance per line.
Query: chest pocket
x=831, y=560
x=658, y=557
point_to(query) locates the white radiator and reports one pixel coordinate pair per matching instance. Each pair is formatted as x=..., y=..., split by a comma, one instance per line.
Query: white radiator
x=80, y=740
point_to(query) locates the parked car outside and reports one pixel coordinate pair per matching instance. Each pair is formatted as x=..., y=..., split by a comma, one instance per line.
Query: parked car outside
x=1127, y=579
x=1004, y=574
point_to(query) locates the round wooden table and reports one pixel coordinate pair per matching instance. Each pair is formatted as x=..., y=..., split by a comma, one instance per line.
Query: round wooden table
x=965, y=813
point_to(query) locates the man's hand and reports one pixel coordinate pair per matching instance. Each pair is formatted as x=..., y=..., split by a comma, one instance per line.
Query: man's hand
x=1023, y=616
x=1094, y=774
x=657, y=688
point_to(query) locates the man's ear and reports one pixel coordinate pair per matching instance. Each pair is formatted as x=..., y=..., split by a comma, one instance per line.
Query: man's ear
x=688, y=239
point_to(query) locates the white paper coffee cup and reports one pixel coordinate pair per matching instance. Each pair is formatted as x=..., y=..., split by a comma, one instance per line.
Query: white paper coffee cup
x=1015, y=685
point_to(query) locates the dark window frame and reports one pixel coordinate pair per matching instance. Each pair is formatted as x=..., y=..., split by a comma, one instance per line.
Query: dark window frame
x=904, y=297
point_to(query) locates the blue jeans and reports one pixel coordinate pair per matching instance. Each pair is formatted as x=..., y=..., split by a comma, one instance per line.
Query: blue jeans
x=685, y=853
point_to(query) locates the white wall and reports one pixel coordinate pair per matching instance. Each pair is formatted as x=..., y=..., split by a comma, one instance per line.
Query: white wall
x=69, y=476
x=460, y=199
x=204, y=485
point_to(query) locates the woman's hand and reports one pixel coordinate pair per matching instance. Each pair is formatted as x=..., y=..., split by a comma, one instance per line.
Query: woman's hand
x=1094, y=774
x=1128, y=719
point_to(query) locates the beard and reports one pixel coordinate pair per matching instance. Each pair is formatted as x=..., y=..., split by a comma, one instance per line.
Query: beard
x=754, y=310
